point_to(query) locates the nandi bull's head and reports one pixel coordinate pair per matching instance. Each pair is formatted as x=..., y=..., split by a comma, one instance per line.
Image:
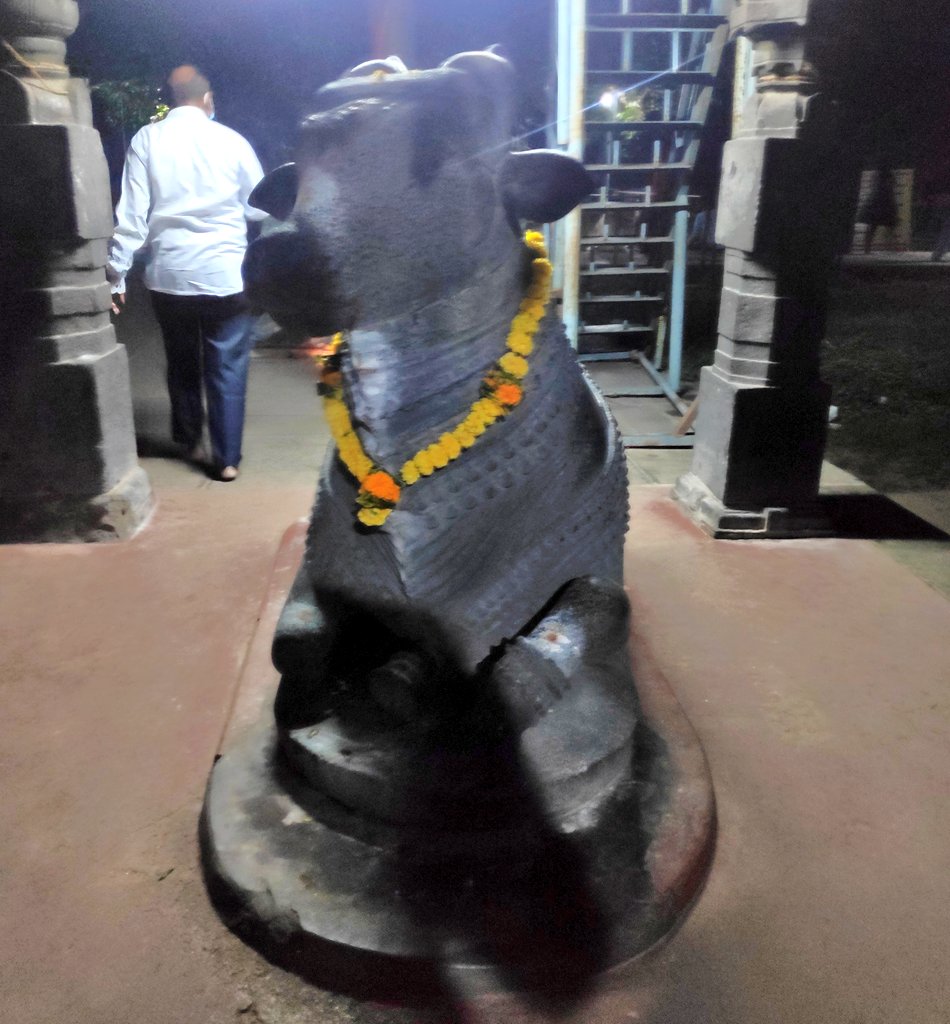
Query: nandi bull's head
x=404, y=189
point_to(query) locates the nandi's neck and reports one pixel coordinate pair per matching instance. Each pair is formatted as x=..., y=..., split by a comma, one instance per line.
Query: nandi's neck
x=408, y=378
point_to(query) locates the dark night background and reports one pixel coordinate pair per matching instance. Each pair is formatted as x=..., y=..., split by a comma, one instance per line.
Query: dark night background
x=886, y=61
x=267, y=58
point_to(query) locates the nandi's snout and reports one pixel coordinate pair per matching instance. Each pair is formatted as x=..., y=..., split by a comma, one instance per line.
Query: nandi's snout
x=291, y=274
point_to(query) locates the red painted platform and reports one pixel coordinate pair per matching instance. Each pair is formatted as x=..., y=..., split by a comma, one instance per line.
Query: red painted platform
x=815, y=672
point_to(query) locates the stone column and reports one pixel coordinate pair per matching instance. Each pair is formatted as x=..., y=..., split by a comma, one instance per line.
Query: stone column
x=68, y=469
x=763, y=408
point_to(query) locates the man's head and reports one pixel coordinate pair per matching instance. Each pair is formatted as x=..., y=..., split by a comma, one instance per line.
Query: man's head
x=188, y=87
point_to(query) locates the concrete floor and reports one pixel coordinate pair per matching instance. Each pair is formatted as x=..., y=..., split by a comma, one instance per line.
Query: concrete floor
x=817, y=674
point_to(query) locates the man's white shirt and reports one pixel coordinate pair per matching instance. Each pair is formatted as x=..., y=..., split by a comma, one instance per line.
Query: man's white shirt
x=185, y=188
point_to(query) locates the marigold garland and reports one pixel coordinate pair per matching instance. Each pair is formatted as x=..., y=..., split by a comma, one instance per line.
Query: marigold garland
x=502, y=389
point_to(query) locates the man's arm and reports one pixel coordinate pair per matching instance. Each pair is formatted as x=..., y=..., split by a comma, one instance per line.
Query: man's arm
x=131, y=213
x=250, y=173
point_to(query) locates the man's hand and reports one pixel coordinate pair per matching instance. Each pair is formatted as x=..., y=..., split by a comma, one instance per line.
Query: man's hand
x=118, y=288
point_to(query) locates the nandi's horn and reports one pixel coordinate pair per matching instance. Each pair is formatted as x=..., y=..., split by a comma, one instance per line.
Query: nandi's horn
x=492, y=78
x=389, y=66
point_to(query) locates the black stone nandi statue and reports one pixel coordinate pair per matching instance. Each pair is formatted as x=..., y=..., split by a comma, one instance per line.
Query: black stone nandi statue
x=456, y=713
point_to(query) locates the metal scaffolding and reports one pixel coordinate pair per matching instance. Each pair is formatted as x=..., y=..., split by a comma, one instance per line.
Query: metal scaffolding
x=634, y=87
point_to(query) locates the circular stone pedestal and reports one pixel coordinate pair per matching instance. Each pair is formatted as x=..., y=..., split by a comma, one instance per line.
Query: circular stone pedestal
x=410, y=912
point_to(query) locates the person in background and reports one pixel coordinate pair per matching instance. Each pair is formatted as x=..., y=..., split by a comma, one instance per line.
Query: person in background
x=880, y=210
x=185, y=189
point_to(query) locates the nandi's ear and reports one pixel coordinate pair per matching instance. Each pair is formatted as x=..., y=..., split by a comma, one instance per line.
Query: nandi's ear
x=276, y=193
x=542, y=185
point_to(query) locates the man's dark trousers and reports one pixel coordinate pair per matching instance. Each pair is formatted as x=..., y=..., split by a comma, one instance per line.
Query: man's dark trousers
x=206, y=337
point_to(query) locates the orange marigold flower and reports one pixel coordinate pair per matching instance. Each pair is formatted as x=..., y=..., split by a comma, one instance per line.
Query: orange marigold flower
x=382, y=485
x=508, y=394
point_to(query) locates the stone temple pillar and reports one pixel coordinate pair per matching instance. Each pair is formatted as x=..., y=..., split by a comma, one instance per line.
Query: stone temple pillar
x=68, y=468
x=763, y=409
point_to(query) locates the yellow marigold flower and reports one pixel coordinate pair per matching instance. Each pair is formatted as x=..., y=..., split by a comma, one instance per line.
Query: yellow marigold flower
x=451, y=446
x=500, y=393
x=521, y=344
x=486, y=410
x=508, y=394
x=373, y=516
x=381, y=485
x=337, y=416
x=439, y=456
x=523, y=323
x=474, y=424
x=424, y=463
x=516, y=365
x=347, y=445
x=353, y=457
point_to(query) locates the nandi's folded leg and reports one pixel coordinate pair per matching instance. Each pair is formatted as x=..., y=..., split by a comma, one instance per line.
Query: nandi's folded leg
x=583, y=635
x=564, y=690
x=305, y=631
x=304, y=642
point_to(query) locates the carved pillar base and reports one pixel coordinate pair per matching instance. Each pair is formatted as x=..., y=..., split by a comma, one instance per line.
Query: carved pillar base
x=724, y=523
x=118, y=514
x=68, y=467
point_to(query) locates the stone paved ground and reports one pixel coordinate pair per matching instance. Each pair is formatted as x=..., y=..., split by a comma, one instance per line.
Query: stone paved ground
x=815, y=672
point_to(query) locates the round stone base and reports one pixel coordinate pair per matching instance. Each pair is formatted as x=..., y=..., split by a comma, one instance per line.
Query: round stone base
x=411, y=912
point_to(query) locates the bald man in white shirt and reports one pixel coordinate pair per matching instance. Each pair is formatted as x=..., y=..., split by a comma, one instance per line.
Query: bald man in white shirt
x=185, y=188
